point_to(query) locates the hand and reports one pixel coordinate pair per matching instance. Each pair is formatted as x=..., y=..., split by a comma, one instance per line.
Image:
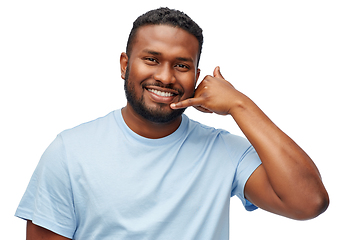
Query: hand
x=213, y=94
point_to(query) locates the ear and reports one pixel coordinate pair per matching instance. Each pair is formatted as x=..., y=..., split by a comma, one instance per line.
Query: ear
x=197, y=75
x=123, y=64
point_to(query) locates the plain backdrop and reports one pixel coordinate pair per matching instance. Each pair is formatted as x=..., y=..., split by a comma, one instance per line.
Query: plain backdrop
x=59, y=67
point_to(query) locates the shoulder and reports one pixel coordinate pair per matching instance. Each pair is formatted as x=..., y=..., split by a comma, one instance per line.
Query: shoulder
x=198, y=128
x=90, y=128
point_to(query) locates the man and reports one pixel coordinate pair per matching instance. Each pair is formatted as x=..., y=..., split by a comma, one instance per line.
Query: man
x=148, y=172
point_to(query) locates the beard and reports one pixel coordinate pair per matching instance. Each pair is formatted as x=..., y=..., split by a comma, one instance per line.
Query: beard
x=157, y=114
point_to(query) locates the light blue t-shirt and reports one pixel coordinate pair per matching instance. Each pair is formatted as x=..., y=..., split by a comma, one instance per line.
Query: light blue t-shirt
x=101, y=180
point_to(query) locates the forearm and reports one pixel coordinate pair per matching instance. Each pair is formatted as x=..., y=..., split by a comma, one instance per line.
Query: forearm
x=291, y=172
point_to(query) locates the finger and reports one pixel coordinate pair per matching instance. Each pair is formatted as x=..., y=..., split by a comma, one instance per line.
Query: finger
x=217, y=73
x=186, y=103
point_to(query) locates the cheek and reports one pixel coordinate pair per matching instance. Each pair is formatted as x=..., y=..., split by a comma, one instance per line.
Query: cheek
x=189, y=87
x=139, y=72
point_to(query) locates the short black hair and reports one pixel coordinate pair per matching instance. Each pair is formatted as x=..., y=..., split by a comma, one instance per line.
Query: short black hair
x=166, y=16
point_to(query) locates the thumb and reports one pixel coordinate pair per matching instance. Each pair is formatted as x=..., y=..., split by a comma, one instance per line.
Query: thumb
x=217, y=73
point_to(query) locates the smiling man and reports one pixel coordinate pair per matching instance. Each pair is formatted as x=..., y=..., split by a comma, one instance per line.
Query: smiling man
x=147, y=171
x=160, y=69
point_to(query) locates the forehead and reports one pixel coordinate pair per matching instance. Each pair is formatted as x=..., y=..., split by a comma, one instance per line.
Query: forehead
x=166, y=40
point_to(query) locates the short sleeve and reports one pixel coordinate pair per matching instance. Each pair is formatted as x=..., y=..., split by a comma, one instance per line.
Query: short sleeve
x=48, y=200
x=247, y=164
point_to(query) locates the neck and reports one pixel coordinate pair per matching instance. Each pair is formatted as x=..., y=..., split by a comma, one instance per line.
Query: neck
x=146, y=128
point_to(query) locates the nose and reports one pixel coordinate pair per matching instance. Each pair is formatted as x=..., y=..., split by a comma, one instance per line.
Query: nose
x=164, y=74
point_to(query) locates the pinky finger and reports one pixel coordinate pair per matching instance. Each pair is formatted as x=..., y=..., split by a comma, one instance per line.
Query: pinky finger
x=185, y=103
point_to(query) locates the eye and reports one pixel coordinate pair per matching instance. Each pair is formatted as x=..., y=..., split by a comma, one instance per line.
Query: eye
x=150, y=60
x=182, y=67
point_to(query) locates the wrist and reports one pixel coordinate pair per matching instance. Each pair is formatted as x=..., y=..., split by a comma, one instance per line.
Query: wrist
x=239, y=105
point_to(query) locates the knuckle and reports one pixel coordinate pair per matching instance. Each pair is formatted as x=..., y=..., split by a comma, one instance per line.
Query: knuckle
x=205, y=95
x=190, y=101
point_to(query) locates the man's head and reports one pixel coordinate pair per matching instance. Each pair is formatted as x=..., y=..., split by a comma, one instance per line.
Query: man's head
x=166, y=16
x=160, y=66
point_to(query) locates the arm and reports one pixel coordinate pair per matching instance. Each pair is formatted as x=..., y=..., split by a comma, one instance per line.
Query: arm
x=35, y=232
x=288, y=182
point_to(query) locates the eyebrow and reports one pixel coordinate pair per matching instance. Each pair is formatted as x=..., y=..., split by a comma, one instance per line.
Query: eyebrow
x=152, y=52
x=183, y=59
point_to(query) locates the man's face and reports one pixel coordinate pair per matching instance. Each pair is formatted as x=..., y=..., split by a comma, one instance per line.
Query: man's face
x=162, y=69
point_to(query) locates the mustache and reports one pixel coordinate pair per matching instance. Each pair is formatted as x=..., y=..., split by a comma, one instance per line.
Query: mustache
x=167, y=86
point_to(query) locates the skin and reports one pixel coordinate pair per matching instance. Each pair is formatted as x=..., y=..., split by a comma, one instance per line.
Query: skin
x=287, y=182
x=35, y=232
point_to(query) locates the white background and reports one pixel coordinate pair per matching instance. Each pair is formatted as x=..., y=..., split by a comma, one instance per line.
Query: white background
x=59, y=67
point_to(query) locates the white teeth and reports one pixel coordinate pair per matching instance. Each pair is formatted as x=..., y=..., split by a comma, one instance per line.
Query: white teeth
x=162, y=94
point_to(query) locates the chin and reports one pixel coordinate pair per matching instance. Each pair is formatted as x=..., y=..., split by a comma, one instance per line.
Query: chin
x=158, y=115
x=157, y=112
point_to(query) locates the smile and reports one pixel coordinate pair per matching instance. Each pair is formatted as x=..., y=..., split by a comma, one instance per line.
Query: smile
x=160, y=93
